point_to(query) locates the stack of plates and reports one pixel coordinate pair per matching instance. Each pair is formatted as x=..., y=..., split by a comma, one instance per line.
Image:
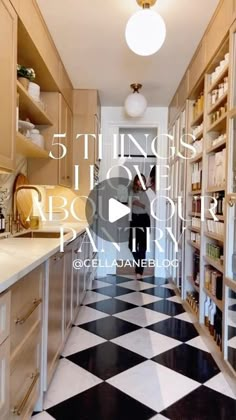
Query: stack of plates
x=34, y=91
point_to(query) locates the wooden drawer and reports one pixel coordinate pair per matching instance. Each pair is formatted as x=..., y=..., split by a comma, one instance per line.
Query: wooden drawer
x=4, y=379
x=24, y=377
x=4, y=316
x=26, y=298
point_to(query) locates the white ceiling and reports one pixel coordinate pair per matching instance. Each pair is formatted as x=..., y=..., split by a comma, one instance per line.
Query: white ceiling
x=89, y=35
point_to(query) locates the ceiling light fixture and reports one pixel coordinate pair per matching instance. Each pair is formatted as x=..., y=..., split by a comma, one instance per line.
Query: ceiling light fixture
x=146, y=30
x=135, y=103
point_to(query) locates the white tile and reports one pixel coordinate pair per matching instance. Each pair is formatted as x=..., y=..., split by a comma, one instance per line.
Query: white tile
x=146, y=343
x=42, y=416
x=133, y=276
x=175, y=299
x=87, y=314
x=141, y=316
x=169, y=286
x=69, y=380
x=137, y=285
x=219, y=384
x=92, y=297
x=232, y=342
x=154, y=385
x=186, y=317
x=79, y=340
x=159, y=417
x=96, y=284
x=139, y=298
x=198, y=343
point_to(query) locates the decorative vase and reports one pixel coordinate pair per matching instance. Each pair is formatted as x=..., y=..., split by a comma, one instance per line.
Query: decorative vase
x=24, y=82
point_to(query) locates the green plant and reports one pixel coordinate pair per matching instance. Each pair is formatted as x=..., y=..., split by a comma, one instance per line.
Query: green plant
x=26, y=72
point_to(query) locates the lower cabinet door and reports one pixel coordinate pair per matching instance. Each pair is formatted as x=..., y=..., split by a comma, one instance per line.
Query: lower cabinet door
x=55, y=313
x=4, y=379
x=68, y=290
x=24, y=377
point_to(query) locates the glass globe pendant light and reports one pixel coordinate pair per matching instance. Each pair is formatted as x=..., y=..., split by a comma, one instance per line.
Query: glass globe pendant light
x=135, y=103
x=146, y=30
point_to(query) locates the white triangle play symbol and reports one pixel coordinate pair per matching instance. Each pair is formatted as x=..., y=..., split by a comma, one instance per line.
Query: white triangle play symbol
x=116, y=210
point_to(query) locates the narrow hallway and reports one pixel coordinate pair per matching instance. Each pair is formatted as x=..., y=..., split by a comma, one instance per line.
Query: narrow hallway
x=130, y=355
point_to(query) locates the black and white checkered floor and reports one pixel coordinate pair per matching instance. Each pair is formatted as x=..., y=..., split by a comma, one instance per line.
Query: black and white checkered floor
x=134, y=353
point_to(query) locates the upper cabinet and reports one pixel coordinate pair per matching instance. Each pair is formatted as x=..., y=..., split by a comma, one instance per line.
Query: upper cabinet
x=8, y=51
x=219, y=27
x=197, y=65
x=86, y=120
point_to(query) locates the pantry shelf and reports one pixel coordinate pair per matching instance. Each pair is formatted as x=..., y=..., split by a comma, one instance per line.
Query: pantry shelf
x=198, y=136
x=216, y=82
x=218, y=302
x=216, y=189
x=193, y=214
x=216, y=147
x=196, y=192
x=197, y=120
x=220, y=124
x=26, y=147
x=194, y=244
x=192, y=282
x=222, y=99
x=219, y=217
x=197, y=158
x=30, y=109
x=215, y=263
x=194, y=229
x=214, y=236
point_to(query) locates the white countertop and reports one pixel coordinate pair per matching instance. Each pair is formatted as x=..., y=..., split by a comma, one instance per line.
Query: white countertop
x=19, y=256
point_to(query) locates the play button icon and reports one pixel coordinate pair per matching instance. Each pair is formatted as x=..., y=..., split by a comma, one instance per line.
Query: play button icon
x=116, y=210
x=107, y=209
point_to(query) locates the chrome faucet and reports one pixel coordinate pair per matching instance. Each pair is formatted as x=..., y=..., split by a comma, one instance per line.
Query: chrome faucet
x=23, y=187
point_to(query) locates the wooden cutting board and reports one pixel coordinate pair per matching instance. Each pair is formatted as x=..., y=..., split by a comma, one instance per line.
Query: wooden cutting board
x=24, y=199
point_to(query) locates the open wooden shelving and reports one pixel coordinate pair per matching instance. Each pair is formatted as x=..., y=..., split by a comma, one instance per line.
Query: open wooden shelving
x=215, y=263
x=214, y=236
x=221, y=76
x=26, y=147
x=197, y=120
x=194, y=229
x=195, y=245
x=219, y=303
x=216, y=189
x=219, y=124
x=197, y=158
x=216, y=147
x=192, y=282
x=30, y=108
x=220, y=101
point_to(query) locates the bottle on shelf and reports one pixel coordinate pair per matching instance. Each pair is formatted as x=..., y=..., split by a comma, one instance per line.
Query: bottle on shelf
x=206, y=310
x=2, y=222
x=212, y=312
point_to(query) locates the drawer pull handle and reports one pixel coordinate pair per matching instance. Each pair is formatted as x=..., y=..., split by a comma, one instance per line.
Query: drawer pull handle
x=22, y=320
x=18, y=410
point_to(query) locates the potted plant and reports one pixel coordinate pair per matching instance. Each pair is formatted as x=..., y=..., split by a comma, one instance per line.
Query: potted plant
x=25, y=75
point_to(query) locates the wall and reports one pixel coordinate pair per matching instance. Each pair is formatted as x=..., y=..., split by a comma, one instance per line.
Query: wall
x=112, y=119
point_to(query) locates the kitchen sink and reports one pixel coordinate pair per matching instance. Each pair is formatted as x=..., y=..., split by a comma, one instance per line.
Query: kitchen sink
x=35, y=234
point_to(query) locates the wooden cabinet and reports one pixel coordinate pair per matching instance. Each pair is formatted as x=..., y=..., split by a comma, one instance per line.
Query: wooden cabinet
x=173, y=109
x=8, y=50
x=4, y=379
x=25, y=344
x=24, y=377
x=55, y=313
x=55, y=171
x=4, y=316
x=68, y=289
x=218, y=28
x=26, y=306
x=197, y=65
x=86, y=120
